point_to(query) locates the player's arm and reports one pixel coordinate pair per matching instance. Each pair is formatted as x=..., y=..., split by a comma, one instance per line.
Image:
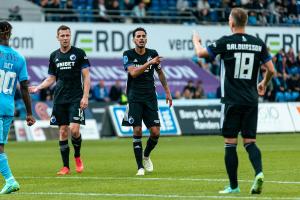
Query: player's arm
x=261, y=88
x=199, y=50
x=45, y=84
x=86, y=88
x=164, y=83
x=27, y=101
x=136, y=71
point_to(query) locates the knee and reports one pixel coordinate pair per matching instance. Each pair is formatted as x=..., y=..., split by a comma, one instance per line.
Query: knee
x=155, y=132
x=137, y=131
x=63, y=133
x=75, y=131
x=1, y=148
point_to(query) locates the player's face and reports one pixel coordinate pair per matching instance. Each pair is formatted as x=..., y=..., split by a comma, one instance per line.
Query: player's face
x=64, y=37
x=140, y=39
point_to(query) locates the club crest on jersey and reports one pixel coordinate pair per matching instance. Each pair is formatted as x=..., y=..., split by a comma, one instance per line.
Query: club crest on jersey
x=125, y=60
x=130, y=120
x=72, y=57
x=53, y=119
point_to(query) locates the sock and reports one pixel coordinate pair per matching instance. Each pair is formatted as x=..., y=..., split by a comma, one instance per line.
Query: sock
x=254, y=156
x=5, y=169
x=77, y=145
x=64, y=151
x=151, y=143
x=138, y=151
x=231, y=163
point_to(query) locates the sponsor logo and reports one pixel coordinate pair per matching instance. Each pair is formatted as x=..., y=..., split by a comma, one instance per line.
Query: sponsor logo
x=56, y=60
x=244, y=39
x=135, y=60
x=130, y=120
x=102, y=40
x=72, y=57
x=76, y=118
x=156, y=121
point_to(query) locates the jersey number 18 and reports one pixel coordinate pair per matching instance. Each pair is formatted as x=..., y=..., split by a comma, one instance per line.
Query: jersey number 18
x=7, y=81
x=243, y=65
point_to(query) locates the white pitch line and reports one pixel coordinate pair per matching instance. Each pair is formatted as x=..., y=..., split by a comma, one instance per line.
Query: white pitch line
x=150, y=179
x=151, y=195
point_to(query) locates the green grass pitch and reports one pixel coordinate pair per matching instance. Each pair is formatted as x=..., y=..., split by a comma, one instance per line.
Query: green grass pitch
x=184, y=168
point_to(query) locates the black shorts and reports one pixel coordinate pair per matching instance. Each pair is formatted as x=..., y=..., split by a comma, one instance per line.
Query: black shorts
x=239, y=118
x=64, y=114
x=138, y=111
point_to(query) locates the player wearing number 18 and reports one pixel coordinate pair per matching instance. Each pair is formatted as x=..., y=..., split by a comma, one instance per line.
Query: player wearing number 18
x=69, y=68
x=241, y=57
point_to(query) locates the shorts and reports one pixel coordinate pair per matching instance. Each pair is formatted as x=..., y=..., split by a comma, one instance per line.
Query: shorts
x=64, y=114
x=239, y=118
x=138, y=111
x=5, y=122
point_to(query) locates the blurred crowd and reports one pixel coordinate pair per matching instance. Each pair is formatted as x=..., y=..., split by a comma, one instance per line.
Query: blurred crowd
x=261, y=12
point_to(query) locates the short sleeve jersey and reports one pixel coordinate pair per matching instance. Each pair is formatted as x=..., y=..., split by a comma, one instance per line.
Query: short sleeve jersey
x=241, y=57
x=66, y=67
x=141, y=88
x=12, y=69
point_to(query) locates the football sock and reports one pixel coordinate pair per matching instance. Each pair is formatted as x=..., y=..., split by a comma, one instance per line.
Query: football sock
x=231, y=163
x=64, y=151
x=77, y=145
x=5, y=169
x=138, y=150
x=151, y=143
x=254, y=156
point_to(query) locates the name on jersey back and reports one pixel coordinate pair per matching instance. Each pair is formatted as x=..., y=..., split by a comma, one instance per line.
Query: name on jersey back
x=249, y=47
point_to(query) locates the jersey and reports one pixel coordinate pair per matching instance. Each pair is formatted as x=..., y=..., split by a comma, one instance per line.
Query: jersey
x=12, y=69
x=241, y=58
x=66, y=67
x=141, y=88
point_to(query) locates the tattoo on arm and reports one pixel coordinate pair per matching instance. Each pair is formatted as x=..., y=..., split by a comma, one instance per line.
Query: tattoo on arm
x=26, y=96
x=162, y=79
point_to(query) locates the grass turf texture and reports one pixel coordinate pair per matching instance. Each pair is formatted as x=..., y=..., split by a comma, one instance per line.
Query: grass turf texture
x=184, y=168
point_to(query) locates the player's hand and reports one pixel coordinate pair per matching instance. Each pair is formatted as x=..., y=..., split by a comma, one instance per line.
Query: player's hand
x=261, y=88
x=169, y=99
x=30, y=120
x=196, y=38
x=33, y=89
x=156, y=60
x=84, y=103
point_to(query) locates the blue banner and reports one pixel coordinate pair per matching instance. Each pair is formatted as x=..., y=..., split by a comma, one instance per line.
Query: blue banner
x=168, y=122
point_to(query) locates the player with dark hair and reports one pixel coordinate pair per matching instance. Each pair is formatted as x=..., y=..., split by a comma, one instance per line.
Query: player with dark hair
x=241, y=58
x=140, y=64
x=69, y=68
x=12, y=70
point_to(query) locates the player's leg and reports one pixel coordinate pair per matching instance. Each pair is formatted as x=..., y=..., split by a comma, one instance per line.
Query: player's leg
x=249, y=128
x=11, y=185
x=77, y=117
x=138, y=149
x=151, y=120
x=230, y=127
x=133, y=117
x=64, y=149
x=60, y=117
